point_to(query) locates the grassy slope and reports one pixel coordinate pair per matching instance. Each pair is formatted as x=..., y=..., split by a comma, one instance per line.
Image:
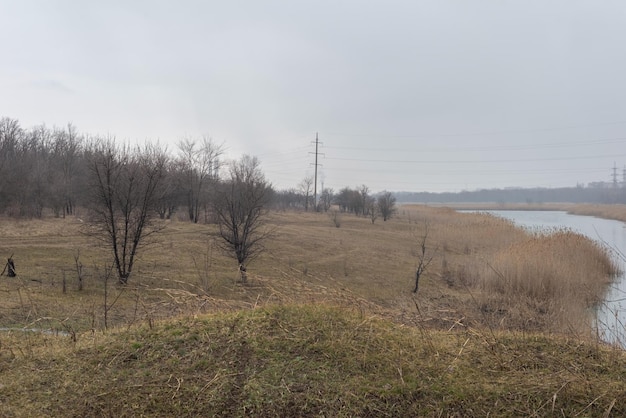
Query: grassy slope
x=185, y=341
x=309, y=360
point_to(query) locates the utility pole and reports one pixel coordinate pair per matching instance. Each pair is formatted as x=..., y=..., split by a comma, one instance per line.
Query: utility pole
x=317, y=142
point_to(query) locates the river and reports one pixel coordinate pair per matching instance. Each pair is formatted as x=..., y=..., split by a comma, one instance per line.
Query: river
x=611, y=314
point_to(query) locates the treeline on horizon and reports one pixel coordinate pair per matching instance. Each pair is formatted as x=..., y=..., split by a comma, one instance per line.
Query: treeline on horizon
x=45, y=168
x=537, y=195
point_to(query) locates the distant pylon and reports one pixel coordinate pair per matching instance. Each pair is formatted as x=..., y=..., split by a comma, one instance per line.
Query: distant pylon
x=317, y=142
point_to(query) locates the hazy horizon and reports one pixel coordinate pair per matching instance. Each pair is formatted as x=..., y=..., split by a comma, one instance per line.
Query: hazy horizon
x=411, y=96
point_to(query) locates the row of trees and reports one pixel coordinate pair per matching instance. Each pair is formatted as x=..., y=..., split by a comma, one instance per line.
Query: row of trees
x=126, y=188
x=43, y=168
x=358, y=201
x=128, y=184
x=39, y=168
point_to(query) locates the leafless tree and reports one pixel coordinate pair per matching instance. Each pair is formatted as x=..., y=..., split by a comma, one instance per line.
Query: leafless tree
x=240, y=207
x=66, y=152
x=286, y=199
x=124, y=185
x=36, y=192
x=371, y=208
x=387, y=205
x=306, y=190
x=10, y=136
x=343, y=199
x=364, y=196
x=171, y=190
x=424, y=258
x=356, y=202
x=201, y=163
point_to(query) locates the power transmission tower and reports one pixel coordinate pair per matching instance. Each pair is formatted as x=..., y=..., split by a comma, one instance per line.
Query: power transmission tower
x=317, y=143
x=614, y=175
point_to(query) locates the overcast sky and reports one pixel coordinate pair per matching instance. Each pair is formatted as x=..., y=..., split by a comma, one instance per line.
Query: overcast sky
x=405, y=95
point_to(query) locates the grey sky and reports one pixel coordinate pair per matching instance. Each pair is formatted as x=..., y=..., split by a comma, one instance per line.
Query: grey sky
x=406, y=95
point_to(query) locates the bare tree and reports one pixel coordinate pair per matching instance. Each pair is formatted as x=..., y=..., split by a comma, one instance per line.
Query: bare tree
x=371, y=208
x=387, y=205
x=356, y=202
x=201, y=163
x=171, y=190
x=10, y=136
x=286, y=199
x=343, y=199
x=306, y=189
x=66, y=152
x=125, y=184
x=240, y=207
x=423, y=258
x=40, y=171
x=364, y=197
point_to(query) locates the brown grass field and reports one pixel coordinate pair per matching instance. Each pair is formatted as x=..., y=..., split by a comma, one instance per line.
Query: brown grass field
x=326, y=325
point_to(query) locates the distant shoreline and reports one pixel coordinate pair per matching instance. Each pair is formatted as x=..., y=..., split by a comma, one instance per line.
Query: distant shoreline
x=607, y=211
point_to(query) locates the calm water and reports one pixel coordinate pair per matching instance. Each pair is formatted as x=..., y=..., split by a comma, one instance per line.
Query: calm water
x=611, y=314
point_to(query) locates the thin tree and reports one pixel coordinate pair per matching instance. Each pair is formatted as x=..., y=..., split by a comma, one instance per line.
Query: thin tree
x=11, y=135
x=240, y=208
x=201, y=163
x=125, y=185
x=66, y=150
x=306, y=191
x=386, y=205
x=362, y=198
x=423, y=259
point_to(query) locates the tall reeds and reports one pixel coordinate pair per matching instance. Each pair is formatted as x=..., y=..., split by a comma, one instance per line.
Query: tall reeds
x=548, y=281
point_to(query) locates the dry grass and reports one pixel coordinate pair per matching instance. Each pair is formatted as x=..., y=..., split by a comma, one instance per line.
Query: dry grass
x=185, y=338
x=481, y=263
x=307, y=360
x=617, y=212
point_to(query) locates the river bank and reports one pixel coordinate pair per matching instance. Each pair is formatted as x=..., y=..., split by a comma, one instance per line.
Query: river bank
x=610, y=314
x=615, y=211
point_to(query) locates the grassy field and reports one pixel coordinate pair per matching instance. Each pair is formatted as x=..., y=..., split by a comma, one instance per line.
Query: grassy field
x=327, y=323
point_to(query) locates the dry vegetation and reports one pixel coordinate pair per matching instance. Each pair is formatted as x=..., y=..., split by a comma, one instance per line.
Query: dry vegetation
x=617, y=212
x=499, y=326
x=308, y=360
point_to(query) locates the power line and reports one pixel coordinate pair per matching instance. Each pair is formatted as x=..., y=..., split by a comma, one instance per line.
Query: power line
x=372, y=160
x=425, y=148
x=486, y=133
